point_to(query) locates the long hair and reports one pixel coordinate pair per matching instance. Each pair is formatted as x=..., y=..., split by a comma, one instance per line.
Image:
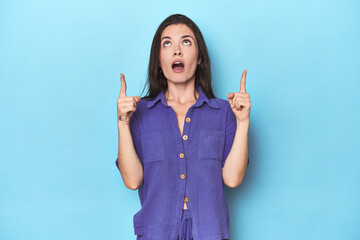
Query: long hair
x=156, y=79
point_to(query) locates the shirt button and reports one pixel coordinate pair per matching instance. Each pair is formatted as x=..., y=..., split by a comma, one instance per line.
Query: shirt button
x=186, y=199
x=181, y=155
x=188, y=119
x=185, y=137
x=182, y=176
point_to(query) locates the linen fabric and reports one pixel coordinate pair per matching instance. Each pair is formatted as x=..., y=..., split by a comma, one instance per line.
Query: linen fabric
x=185, y=231
x=182, y=167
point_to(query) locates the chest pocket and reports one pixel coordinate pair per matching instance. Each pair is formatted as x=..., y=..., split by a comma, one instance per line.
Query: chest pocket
x=152, y=147
x=212, y=145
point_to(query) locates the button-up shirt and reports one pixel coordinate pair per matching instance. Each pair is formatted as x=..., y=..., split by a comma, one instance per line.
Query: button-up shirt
x=185, y=167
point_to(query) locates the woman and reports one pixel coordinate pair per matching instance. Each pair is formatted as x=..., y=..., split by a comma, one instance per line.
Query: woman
x=179, y=144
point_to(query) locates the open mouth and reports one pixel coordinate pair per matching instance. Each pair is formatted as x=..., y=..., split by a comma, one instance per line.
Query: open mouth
x=177, y=66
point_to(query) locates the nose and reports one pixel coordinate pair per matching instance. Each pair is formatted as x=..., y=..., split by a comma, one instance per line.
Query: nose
x=177, y=52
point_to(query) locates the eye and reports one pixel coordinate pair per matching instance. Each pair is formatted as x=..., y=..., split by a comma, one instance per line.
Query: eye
x=187, y=42
x=166, y=44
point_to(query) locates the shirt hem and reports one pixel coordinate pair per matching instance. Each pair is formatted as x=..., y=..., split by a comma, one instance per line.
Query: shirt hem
x=217, y=236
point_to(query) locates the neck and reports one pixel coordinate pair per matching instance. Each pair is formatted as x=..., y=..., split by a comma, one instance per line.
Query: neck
x=181, y=93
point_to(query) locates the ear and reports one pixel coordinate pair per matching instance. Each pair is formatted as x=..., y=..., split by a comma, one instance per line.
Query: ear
x=199, y=61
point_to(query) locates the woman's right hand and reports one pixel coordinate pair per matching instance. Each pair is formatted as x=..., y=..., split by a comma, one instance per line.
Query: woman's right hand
x=126, y=105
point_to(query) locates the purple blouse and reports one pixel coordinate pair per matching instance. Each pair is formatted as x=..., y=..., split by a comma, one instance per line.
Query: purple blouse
x=178, y=167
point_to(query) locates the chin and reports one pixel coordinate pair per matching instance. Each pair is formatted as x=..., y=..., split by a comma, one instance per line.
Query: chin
x=179, y=79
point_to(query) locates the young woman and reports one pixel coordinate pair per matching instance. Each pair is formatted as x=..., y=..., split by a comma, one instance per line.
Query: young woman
x=179, y=144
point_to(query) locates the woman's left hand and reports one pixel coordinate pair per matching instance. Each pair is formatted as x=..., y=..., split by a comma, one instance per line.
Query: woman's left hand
x=240, y=101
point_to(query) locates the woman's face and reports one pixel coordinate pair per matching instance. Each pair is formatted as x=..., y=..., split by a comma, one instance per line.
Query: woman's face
x=178, y=53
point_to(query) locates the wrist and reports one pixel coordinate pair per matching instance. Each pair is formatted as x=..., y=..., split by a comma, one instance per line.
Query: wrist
x=243, y=123
x=122, y=125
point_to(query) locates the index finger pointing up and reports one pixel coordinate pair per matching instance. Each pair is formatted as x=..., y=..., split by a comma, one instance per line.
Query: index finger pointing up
x=122, y=86
x=243, y=82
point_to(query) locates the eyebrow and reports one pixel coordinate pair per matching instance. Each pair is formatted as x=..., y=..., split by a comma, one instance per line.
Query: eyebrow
x=185, y=36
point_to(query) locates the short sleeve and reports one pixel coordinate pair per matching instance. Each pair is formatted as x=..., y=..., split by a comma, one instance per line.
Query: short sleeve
x=230, y=130
x=134, y=125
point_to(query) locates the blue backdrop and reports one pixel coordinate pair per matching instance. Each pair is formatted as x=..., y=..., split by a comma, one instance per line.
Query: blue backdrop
x=60, y=64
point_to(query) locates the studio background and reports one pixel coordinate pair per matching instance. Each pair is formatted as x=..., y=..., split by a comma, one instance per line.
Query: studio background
x=60, y=64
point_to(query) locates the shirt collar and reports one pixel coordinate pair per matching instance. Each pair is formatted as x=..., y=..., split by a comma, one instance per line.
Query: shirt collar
x=201, y=99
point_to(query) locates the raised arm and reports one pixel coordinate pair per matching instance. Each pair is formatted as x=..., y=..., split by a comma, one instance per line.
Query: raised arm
x=237, y=159
x=128, y=162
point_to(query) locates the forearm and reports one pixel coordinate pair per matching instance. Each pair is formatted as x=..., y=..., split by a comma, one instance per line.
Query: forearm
x=129, y=163
x=236, y=161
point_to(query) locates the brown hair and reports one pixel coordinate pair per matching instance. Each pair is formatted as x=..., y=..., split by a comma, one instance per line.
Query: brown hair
x=156, y=79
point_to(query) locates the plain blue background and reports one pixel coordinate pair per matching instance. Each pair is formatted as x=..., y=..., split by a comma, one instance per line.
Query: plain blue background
x=60, y=65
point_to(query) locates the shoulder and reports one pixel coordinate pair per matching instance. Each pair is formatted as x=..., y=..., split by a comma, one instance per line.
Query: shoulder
x=220, y=103
x=143, y=102
x=143, y=109
x=141, y=106
x=225, y=108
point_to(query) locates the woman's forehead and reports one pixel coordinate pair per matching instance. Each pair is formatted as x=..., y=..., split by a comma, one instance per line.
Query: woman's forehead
x=177, y=30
